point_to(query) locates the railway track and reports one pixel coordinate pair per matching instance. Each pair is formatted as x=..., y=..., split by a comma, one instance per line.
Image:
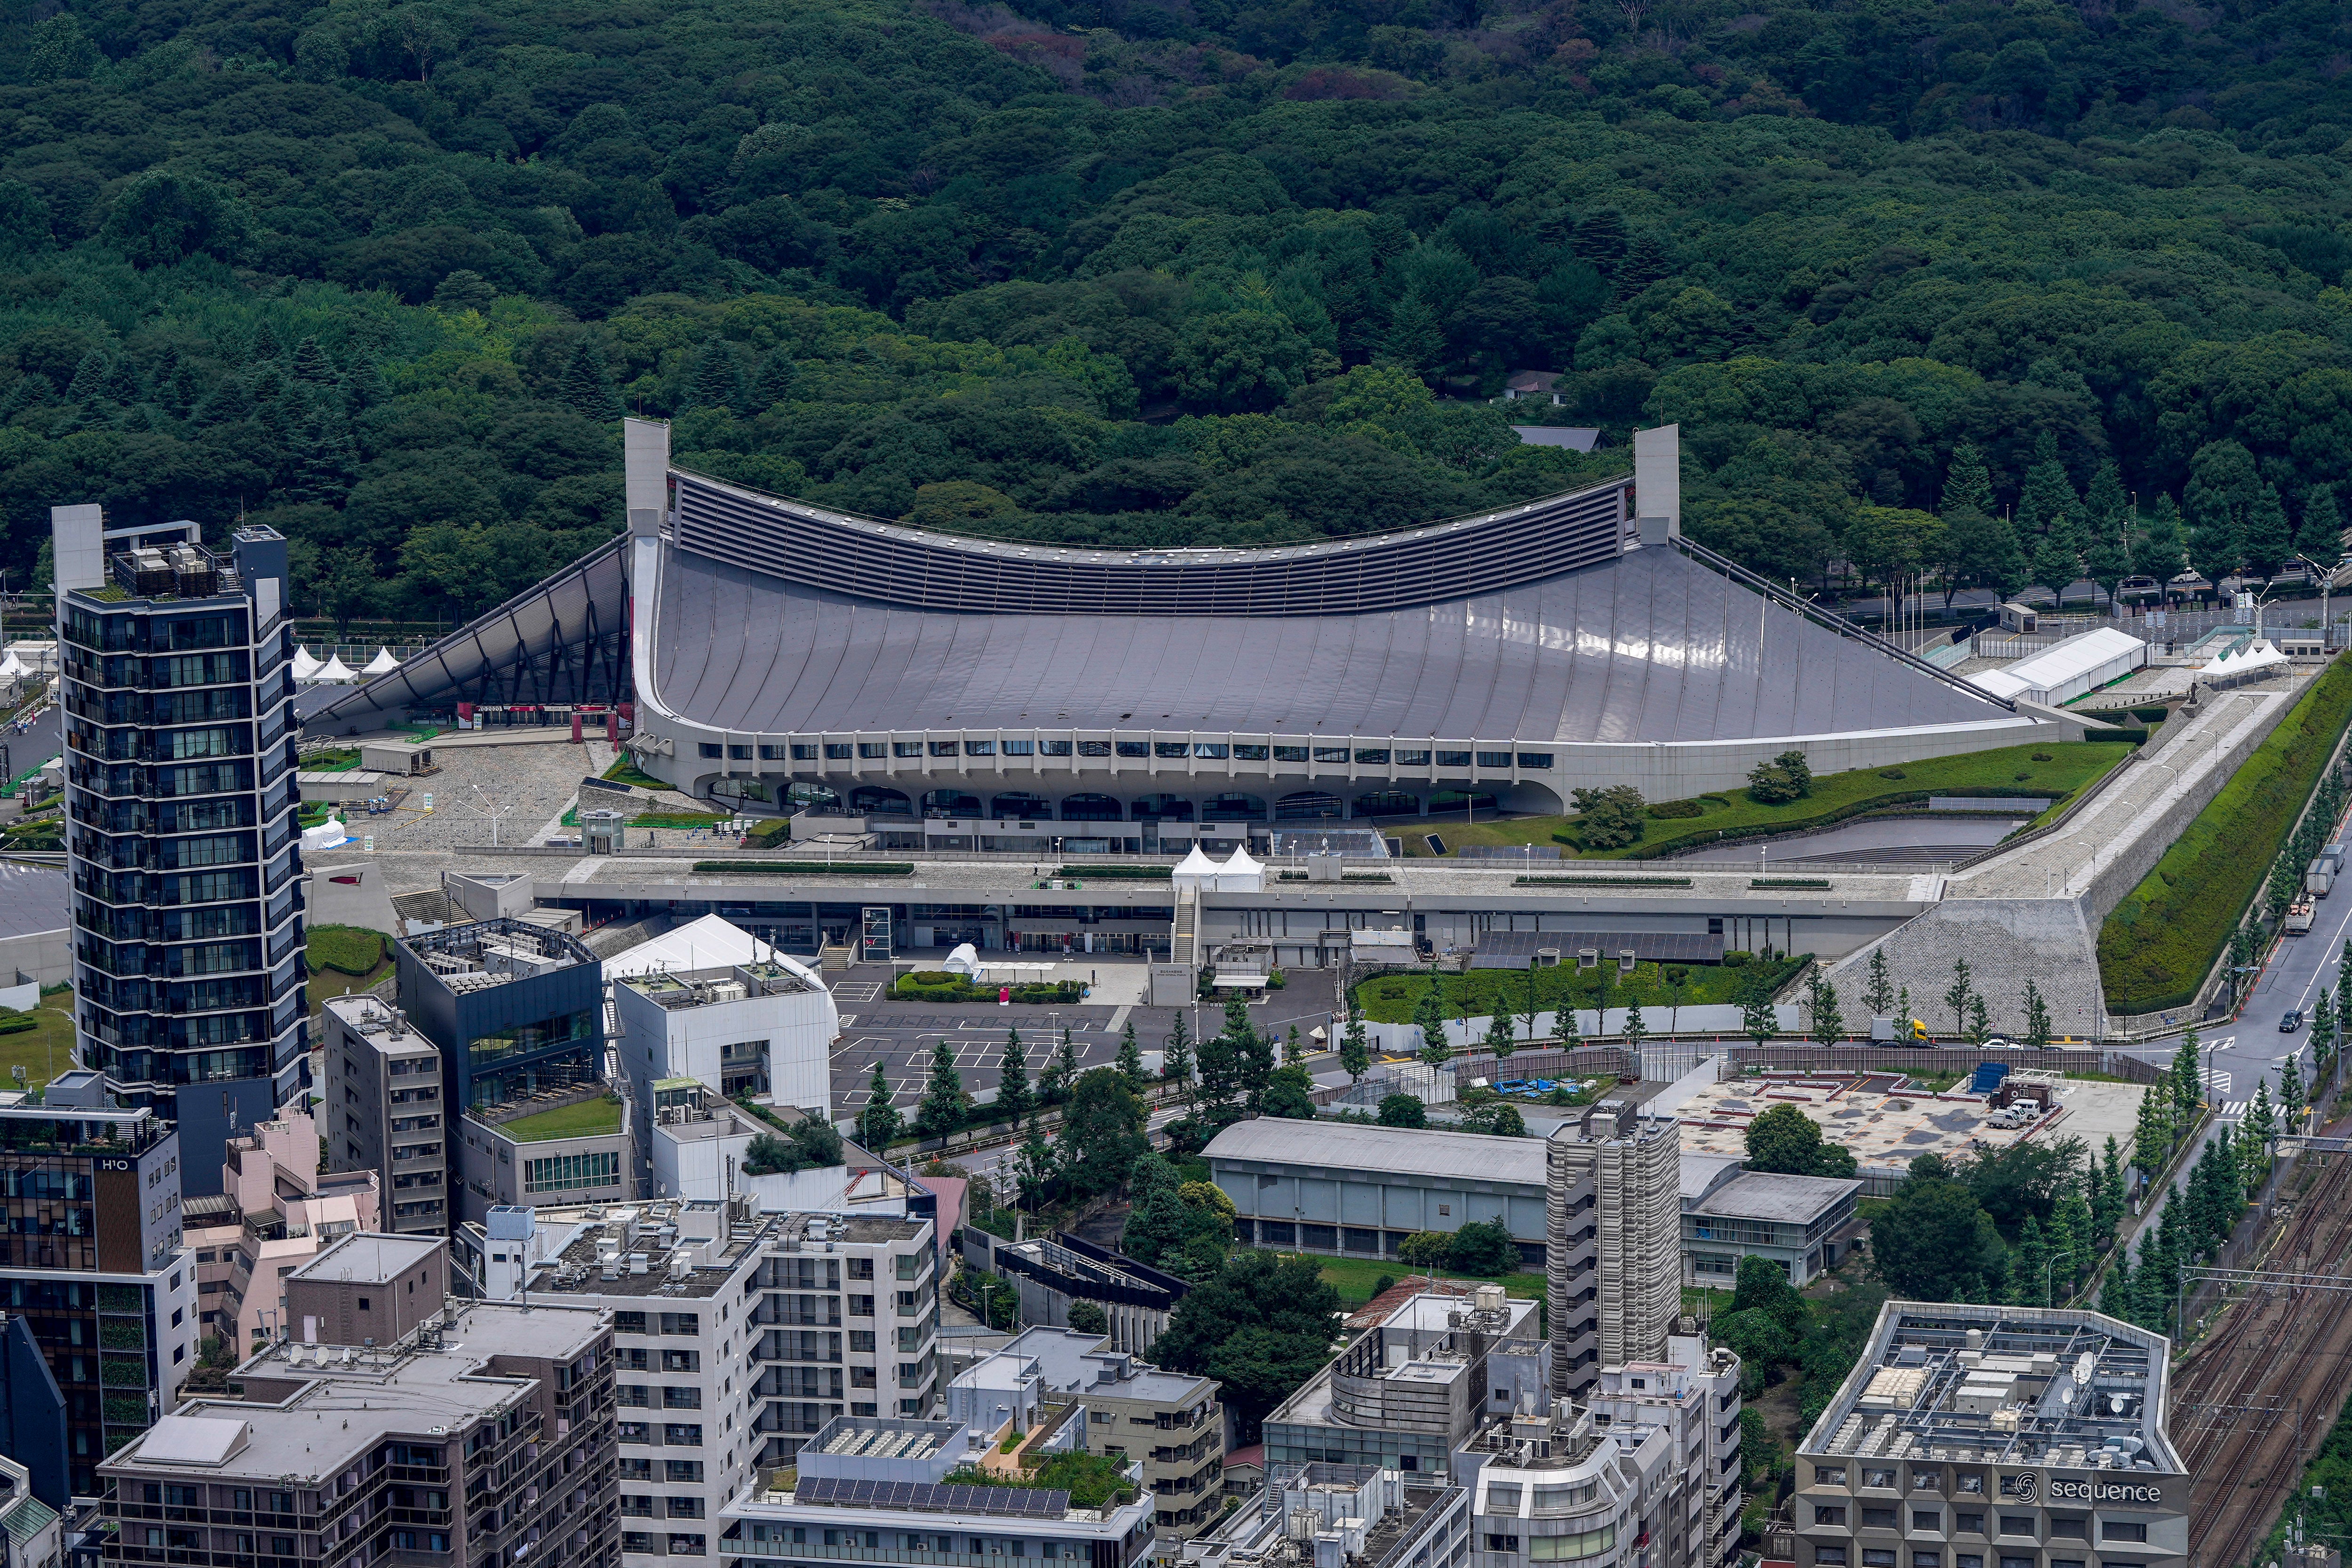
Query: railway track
x=2266, y=1387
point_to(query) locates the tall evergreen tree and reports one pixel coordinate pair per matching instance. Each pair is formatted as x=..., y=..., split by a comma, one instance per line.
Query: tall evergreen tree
x=2031, y=1268
x=2152, y=1140
x=1014, y=1096
x=1129, y=1061
x=2037, y=1017
x=2161, y=547
x=774, y=384
x=312, y=364
x=1563, y=1021
x=940, y=1112
x=1878, y=994
x=2152, y=1279
x=718, y=379
x=1176, y=1056
x=1957, y=995
x=1966, y=482
x=2269, y=539
x=1429, y=1014
x=1500, y=1041
x=2072, y=1233
x=2321, y=535
x=2108, y=1196
x=2187, y=1086
x=587, y=386
x=1355, y=1049
x=2106, y=503
x=2117, y=1298
x=88, y=383
x=878, y=1121
x=1821, y=1000
x=2290, y=1100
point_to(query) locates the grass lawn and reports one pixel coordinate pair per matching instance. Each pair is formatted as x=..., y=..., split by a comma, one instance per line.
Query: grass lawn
x=1354, y=1277
x=42, y=1052
x=349, y=949
x=628, y=772
x=2072, y=766
x=603, y=1115
x=1391, y=998
x=349, y=945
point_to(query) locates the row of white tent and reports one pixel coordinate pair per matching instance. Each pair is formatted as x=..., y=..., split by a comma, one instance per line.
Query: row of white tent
x=1239, y=875
x=332, y=667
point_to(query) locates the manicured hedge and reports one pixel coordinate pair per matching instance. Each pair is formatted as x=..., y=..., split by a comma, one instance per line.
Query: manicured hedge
x=811, y=868
x=2159, y=945
x=934, y=985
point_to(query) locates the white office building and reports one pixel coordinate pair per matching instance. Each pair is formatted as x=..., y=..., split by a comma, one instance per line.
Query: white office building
x=763, y=1027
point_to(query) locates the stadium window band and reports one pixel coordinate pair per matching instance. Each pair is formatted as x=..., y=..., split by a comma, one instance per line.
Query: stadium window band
x=1172, y=751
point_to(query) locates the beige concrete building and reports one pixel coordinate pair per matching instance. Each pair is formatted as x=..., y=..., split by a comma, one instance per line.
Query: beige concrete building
x=1171, y=1422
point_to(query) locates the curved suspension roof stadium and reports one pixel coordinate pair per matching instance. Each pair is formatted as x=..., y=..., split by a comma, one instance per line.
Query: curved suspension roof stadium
x=757, y=622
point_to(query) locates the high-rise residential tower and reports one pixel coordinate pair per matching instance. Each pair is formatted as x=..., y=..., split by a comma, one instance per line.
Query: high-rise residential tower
x=1614, y=1259
x=185, y=853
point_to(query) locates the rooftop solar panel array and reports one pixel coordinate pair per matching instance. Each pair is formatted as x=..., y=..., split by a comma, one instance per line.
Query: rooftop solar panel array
x=930, y=1497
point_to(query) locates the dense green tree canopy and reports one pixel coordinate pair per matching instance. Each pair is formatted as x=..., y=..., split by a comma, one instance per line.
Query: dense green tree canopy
x=1168, y=270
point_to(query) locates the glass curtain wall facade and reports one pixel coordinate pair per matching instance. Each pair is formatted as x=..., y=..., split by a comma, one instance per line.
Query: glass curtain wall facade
x=184, y=850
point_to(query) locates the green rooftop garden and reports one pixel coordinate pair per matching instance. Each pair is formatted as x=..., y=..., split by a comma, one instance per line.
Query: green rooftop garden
x=583, y=1120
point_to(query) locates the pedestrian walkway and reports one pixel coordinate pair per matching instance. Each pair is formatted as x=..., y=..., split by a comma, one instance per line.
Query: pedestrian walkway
x=2135, y=807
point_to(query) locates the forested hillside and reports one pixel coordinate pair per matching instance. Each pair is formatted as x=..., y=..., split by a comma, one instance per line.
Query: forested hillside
x=1172, y=270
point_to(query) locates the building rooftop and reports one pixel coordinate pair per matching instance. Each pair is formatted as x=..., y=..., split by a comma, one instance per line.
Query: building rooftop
x=1888, y=1126
x=681, y=987
x=1074, y=1362
x=370, y=1258
x=372, y=1393
x=1645, y=647
x=2017, y=1385
x=669, y=1250
x=492, y=952
x=710, y=942
x=383, y=1026
x=1404, y=1151
x=1786, y=1200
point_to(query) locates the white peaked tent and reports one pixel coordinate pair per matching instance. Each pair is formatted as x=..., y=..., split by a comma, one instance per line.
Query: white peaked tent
x=382, y=664
x=11, y=668
x=333, y=669
x=305, y=666
x=1241, y=874
x=1196, y=871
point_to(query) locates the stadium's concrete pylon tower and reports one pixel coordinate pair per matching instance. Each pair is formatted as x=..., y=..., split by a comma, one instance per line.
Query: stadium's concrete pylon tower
x=781, y=655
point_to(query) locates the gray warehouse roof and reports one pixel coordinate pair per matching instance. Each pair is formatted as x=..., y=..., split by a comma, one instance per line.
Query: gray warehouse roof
x=1384, y=1151
x=1766, y=1195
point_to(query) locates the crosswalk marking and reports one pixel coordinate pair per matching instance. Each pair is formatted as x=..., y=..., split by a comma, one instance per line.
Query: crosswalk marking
x=2234, y=1108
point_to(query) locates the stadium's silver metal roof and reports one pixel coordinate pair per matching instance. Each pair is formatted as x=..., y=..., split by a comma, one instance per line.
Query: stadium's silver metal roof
x=1647, y=647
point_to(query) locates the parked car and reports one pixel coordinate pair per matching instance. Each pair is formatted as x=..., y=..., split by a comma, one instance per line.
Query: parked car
x=2139, y=587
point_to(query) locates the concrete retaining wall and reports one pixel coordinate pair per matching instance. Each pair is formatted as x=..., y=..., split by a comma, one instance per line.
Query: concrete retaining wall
x=45, y=956
x=2005, y=941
